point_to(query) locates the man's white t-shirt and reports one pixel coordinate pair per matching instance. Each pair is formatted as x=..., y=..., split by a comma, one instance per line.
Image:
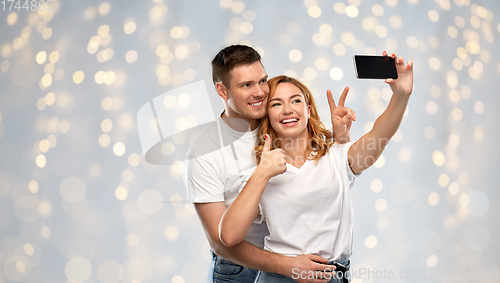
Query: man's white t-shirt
x=309, y=210
x=220, y=162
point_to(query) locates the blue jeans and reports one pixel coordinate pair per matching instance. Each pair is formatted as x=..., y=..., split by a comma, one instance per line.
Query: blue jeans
x=268, y=277
x=223, y=270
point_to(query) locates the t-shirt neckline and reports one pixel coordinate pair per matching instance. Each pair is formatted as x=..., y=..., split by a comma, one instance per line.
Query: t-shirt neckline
x=233, y=132
x=304, y=166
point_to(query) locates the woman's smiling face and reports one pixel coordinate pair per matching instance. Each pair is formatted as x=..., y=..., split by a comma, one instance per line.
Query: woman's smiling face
x=288, y=112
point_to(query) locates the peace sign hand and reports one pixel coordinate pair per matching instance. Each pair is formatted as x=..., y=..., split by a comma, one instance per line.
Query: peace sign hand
x=342, y=117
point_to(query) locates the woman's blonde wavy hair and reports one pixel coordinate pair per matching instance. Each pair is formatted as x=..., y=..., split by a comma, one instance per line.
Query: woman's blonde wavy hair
x=320, y=139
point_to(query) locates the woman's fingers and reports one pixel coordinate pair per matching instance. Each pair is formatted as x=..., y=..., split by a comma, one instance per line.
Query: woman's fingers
x=409, y=64
x=353, y=115
x=350, y=112
x=343, y=96
x=331, y=101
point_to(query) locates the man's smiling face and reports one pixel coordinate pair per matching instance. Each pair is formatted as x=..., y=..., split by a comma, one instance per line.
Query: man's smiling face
x=247, y=92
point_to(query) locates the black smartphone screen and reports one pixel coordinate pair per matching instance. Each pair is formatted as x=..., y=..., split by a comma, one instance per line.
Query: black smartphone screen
x=375, y=67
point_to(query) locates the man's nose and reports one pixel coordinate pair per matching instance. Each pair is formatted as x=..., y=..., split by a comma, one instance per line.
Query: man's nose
x=259, y=91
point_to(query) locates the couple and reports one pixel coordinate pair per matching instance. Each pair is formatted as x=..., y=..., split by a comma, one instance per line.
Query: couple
x=281, y=213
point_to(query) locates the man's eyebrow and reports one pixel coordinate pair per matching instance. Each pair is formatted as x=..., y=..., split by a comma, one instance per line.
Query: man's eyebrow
x=249, y=82
x=244, y=83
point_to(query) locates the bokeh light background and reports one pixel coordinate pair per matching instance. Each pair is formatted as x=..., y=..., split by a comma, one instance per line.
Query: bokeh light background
x=78, y=203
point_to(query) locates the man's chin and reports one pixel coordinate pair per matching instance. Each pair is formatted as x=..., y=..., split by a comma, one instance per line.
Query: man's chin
x=257, y=115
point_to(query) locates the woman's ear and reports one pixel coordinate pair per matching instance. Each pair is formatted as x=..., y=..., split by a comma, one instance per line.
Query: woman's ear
x=221, y=90
x=308, y=111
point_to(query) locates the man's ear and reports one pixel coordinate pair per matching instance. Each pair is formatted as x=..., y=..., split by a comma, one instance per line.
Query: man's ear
x=221, y=90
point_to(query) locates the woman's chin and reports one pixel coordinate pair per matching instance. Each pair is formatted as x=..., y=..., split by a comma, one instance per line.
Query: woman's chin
x=290, y=134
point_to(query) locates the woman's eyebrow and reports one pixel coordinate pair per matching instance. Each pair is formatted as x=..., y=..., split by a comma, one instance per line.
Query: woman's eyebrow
x=293, y=96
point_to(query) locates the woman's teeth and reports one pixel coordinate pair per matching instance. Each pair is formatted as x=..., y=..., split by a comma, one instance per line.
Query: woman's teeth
x=289, y=121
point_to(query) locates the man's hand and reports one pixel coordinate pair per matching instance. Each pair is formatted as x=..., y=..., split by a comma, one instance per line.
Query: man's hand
x=303, y=266
x=342, y=117
x=403, y=85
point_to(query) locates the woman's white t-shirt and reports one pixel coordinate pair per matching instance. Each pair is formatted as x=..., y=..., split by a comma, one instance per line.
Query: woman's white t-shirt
x=309, y=210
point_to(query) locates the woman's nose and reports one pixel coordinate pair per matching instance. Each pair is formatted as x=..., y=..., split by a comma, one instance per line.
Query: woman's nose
x=287, y=109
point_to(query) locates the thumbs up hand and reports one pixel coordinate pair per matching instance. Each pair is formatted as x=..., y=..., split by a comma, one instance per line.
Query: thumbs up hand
x=272, y=162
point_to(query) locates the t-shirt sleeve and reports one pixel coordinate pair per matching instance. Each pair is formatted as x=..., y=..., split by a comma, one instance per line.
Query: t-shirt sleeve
x=202, y=181
x=345, y=158
x=341, y=153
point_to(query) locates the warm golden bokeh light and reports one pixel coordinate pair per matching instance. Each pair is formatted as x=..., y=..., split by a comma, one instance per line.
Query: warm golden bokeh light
x=104, y=8
x=76, y=80
x=438, y=158
x=41, y=57
x=41, y=161
x=121, y=193
x=11, y=18
x=129, y=26
x=371, y=242
x=78, y=77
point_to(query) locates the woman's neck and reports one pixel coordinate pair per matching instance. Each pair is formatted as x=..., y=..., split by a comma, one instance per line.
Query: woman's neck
x=296, y=149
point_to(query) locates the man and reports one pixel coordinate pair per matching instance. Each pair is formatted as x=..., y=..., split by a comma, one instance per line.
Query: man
x=221, y=160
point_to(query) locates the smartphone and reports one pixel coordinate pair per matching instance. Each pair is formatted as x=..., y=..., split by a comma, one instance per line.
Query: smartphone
x=375, y=67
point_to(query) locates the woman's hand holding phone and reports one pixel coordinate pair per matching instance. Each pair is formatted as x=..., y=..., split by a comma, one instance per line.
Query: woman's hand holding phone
x=403, y=85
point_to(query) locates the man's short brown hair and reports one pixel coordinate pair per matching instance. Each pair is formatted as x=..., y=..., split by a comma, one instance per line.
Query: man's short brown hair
x=230, y=57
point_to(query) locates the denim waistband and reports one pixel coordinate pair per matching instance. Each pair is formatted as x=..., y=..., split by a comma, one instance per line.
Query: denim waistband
x=339, y=261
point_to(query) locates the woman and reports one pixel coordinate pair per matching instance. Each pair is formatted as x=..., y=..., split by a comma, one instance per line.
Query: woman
x=301, y=186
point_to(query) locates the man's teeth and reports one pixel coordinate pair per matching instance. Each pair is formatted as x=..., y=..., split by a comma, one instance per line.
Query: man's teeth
x=289, y=121
x=256, y=103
